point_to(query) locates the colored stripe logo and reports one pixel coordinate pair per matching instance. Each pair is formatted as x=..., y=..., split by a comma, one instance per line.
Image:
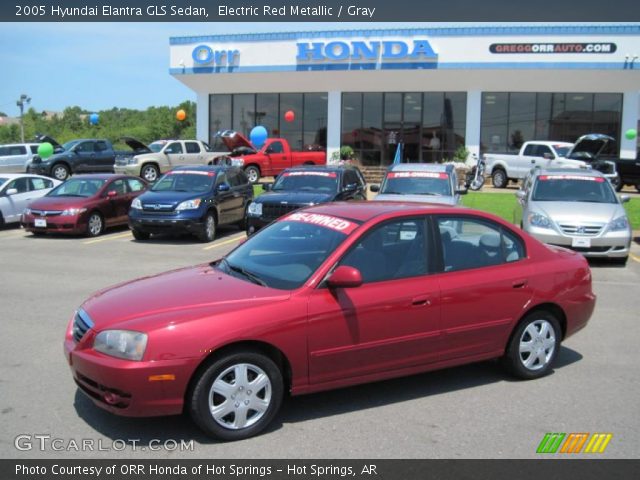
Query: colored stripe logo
x=574, y=443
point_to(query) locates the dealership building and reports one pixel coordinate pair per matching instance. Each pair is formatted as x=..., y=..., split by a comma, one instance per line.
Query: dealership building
x=486, y=88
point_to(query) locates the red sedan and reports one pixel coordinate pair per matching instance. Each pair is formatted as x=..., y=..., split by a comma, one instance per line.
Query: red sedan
x=328, y=296
x=84, y=204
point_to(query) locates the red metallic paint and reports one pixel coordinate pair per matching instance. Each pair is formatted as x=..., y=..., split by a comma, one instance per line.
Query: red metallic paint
x=328, y=338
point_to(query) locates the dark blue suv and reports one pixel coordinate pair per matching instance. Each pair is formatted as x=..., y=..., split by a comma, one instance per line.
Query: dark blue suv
x=192, y=200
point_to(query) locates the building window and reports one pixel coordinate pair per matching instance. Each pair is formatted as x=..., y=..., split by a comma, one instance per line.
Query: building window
x=242, y=112
x=430, y=125
x=510, y=119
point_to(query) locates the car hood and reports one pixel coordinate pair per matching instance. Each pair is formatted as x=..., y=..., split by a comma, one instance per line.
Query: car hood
x=579, y=212
x=295, y=198
x=233, y=140
x=59, y=203
x=385, y=197
x=173, y=297
x=168, y=198
x=592, y=144
x=136, y=145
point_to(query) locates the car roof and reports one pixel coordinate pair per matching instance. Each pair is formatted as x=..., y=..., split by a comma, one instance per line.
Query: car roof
x=366, y=210
x=10, y=176
x=550, y=143
x=19, y=144
x=421, y=167
x=582, y=172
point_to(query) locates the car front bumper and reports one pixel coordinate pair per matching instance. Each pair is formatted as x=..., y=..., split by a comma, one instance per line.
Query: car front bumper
x=169, y=224
x=608, y=244
x=133, y=170
x=39, y=168
x=55, y=224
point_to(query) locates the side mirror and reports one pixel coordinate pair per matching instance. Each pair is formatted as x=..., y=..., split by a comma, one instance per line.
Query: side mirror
x=11, y=191
x=623, y=198
x=345, y=277
x=520, y=195
x=267, y=186
x=224, y=187
x=352, y=187
x=374, y=188
x=112, y=193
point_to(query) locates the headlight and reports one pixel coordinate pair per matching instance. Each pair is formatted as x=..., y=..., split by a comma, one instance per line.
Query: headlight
x=255, y=209
x=137, y=204
x=73, y=211
x=132, y=161
x=237, y=162
x=189, y=205
x=620, y=223
x=538, y=220
x=121, y=344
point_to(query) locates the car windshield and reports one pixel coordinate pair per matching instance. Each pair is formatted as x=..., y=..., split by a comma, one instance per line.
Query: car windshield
x=561, y=151
x=2, y=180
x=569, y=188
x=69, y=145
x=185, y=181
x=155, y=147
x=307, y=182
x=417, y=183
x=77, y=187
x=286, y=253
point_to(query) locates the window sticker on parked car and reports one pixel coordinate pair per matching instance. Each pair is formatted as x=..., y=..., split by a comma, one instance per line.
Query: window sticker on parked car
x=192, y=172
x=417, y=175
x=317, y=174
x=327, y=221
x=571, y=177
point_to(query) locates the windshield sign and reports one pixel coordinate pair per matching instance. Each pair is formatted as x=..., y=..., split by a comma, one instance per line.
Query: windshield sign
x=573, y=188
x=185, y=181
x=310, y=181
x=417, y=183
x=77, y=188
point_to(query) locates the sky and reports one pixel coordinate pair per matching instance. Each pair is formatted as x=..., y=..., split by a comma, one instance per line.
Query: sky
x=99, y=66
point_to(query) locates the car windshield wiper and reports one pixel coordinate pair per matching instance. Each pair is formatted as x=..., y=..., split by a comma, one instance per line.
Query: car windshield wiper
x=251, y=276
x=392, y=193
x=429, y=193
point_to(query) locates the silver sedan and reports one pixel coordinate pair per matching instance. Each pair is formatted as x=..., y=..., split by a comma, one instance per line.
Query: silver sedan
x=577, y=209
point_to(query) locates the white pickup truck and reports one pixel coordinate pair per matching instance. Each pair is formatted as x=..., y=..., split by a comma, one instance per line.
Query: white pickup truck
x=547, y=154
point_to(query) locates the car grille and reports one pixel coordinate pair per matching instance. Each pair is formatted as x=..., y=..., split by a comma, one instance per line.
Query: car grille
x=46, y=213
x=161, y=208
x=581, y=230
x=273, y=211
x=82, y=323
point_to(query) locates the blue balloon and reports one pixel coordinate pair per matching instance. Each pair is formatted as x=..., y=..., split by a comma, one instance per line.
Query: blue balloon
x=93, y=118
x=258, y=136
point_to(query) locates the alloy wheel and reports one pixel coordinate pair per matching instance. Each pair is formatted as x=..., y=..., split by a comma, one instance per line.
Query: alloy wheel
x=537, y=345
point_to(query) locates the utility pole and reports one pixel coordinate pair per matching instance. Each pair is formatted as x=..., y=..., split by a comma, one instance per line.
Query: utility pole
x=24, y=100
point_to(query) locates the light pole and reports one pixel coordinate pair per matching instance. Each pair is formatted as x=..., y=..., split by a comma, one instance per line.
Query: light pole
x=24, y=100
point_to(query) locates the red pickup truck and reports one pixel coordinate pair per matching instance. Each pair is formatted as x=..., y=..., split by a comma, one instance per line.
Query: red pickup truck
x=274, y=156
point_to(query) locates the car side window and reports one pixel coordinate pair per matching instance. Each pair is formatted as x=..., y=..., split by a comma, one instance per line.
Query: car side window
x=276, y=147
x=40, y=183
x=221, y=178
x=18, y=150
x=530, y=150
x=242, y=178
x=350, y=178
x=394, y=250
x=234, y=179
x=85, y=147
x=119, y=186
x=34, y=149
x=4, y=151
x=192, y=147
x=174, y=147
x=135, y=185
x=542, y=150
x=20, y=184
x=474, y=243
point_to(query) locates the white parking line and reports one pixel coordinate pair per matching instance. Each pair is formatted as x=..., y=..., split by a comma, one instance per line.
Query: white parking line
x=106, y=238
x=635, y=258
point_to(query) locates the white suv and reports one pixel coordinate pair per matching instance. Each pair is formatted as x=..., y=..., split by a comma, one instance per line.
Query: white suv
x=16, y=157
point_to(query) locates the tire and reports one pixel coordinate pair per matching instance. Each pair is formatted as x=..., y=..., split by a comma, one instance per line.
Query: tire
x=253, y=173
x=140, y=235
x=150, y=172
x=534, y=360
x=240, y=381
x=499, y=178
x=622, y=261
x=209, y=228
x=95, y=224
x=60, y=171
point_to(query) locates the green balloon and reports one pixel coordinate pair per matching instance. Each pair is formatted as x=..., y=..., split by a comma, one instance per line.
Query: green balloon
x=631, y=134
x=45, y=150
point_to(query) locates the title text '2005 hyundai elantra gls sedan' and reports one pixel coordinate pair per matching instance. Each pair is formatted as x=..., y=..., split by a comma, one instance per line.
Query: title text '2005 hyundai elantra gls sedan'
x=325, y=297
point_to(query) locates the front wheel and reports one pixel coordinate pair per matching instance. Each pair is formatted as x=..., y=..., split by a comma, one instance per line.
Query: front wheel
x=95, y=224
x=150, y=173
x=140, y=235
x=209, y=229
x=60, y=172
x=533, y=346
x=499, y=178
x=237, y=396
x=253, y=173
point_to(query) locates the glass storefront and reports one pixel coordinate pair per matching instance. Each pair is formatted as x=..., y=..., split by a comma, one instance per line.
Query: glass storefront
x=243, y=111
x=430, y=124
x=510, y=119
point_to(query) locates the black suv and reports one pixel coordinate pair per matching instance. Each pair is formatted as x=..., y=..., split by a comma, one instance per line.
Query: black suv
x=192, y=200
x=303, y=186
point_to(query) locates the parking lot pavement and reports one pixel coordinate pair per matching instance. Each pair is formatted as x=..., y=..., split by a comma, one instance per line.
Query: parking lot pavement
x=474, y=411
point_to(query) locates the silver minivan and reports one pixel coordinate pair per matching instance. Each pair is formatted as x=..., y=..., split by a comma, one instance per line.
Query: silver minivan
x=15, y=158
x=577, y=209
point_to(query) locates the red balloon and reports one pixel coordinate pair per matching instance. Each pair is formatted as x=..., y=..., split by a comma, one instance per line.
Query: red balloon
x=289, y=116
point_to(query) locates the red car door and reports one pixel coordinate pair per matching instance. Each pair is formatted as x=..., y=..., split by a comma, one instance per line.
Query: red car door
x=278, y=158
x=484, y=287
x=390, y=322
x=118, y=201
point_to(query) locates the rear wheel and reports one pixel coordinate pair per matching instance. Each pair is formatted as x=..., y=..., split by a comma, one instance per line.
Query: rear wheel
x=95, y=224
x=237, y=396
x=140, y=235
x=150, y=173
x=60, y=172
x=499, y=178
x=533, y=346
x=209, y=228
x=253, y=173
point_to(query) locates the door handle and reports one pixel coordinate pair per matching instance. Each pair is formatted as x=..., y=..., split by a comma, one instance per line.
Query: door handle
x=519, y=283
x=421, y=302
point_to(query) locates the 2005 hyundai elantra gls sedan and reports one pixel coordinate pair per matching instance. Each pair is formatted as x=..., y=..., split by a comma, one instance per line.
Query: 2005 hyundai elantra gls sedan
x=325, y=297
